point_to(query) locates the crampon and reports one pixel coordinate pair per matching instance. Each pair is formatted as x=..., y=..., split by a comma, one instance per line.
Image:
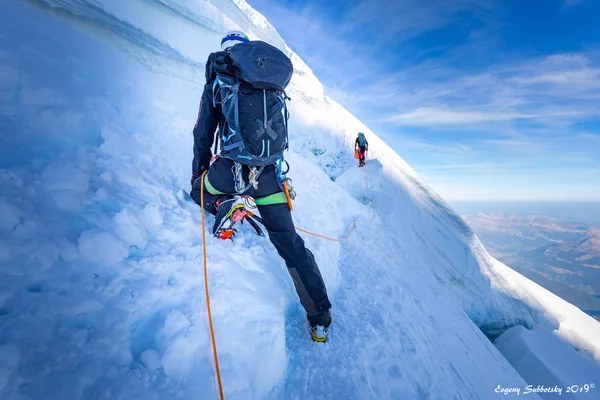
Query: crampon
x=235, y=216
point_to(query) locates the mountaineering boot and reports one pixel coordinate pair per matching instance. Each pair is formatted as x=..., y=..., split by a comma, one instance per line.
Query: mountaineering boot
x=229, y=212
x=319, y=325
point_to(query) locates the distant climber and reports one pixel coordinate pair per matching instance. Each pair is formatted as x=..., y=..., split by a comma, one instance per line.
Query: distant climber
x=361, y=146
x=244, y=99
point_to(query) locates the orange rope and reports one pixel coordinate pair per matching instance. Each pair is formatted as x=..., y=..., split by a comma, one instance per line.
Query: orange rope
x=212, y=331
x=328, y=238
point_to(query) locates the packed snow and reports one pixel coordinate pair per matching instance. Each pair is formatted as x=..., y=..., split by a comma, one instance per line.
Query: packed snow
x=101, y=283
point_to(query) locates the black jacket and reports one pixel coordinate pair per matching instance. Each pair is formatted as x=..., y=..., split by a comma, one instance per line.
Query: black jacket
x=209, y=119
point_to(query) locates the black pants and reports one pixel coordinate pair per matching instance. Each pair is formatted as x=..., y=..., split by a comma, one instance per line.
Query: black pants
x=277, y=219
x=362, y=151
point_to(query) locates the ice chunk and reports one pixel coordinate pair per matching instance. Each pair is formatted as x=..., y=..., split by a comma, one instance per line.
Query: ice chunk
x=46, y=253
x=178, y=359
x=101, y=246
x=176, y=323
x=66, y=200
x=130, y=229
x=65, y=177
x=151, y=359
x=151, y=216
x=68, y=251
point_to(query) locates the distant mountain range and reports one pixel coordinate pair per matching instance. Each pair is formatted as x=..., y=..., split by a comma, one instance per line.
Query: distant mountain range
x=560, y=255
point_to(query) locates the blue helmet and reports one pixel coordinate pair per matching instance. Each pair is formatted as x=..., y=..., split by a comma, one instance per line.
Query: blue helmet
x=233, y=38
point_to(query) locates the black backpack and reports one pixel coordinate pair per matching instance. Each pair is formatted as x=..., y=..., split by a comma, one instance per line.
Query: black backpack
x=250, y=87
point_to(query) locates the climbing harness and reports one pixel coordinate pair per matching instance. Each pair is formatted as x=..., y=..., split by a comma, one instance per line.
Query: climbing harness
x=253, y=176
x=238, y=179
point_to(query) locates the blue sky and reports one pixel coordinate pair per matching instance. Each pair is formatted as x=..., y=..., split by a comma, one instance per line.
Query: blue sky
x=487, y=100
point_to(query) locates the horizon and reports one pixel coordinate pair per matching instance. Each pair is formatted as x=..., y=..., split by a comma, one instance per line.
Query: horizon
x=581, y=212
x=482, y=99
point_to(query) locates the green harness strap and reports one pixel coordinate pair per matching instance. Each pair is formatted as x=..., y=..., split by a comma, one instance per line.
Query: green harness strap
x=275, y=198
x=211, y=189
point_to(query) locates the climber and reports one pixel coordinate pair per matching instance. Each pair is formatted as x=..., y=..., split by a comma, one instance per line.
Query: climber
x=249, y=110
x=361, y=146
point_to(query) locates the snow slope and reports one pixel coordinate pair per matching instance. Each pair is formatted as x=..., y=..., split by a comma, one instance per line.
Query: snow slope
x=560, y=368
x=101, y=286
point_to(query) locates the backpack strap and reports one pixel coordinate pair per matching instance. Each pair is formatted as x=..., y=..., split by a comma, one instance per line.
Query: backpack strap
x=282, y=96
x=265, y=110
x=230, y=91
x=214, y=92
x=216, y=149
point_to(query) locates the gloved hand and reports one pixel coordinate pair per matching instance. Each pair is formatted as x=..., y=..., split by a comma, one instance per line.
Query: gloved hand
x=195, y=176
